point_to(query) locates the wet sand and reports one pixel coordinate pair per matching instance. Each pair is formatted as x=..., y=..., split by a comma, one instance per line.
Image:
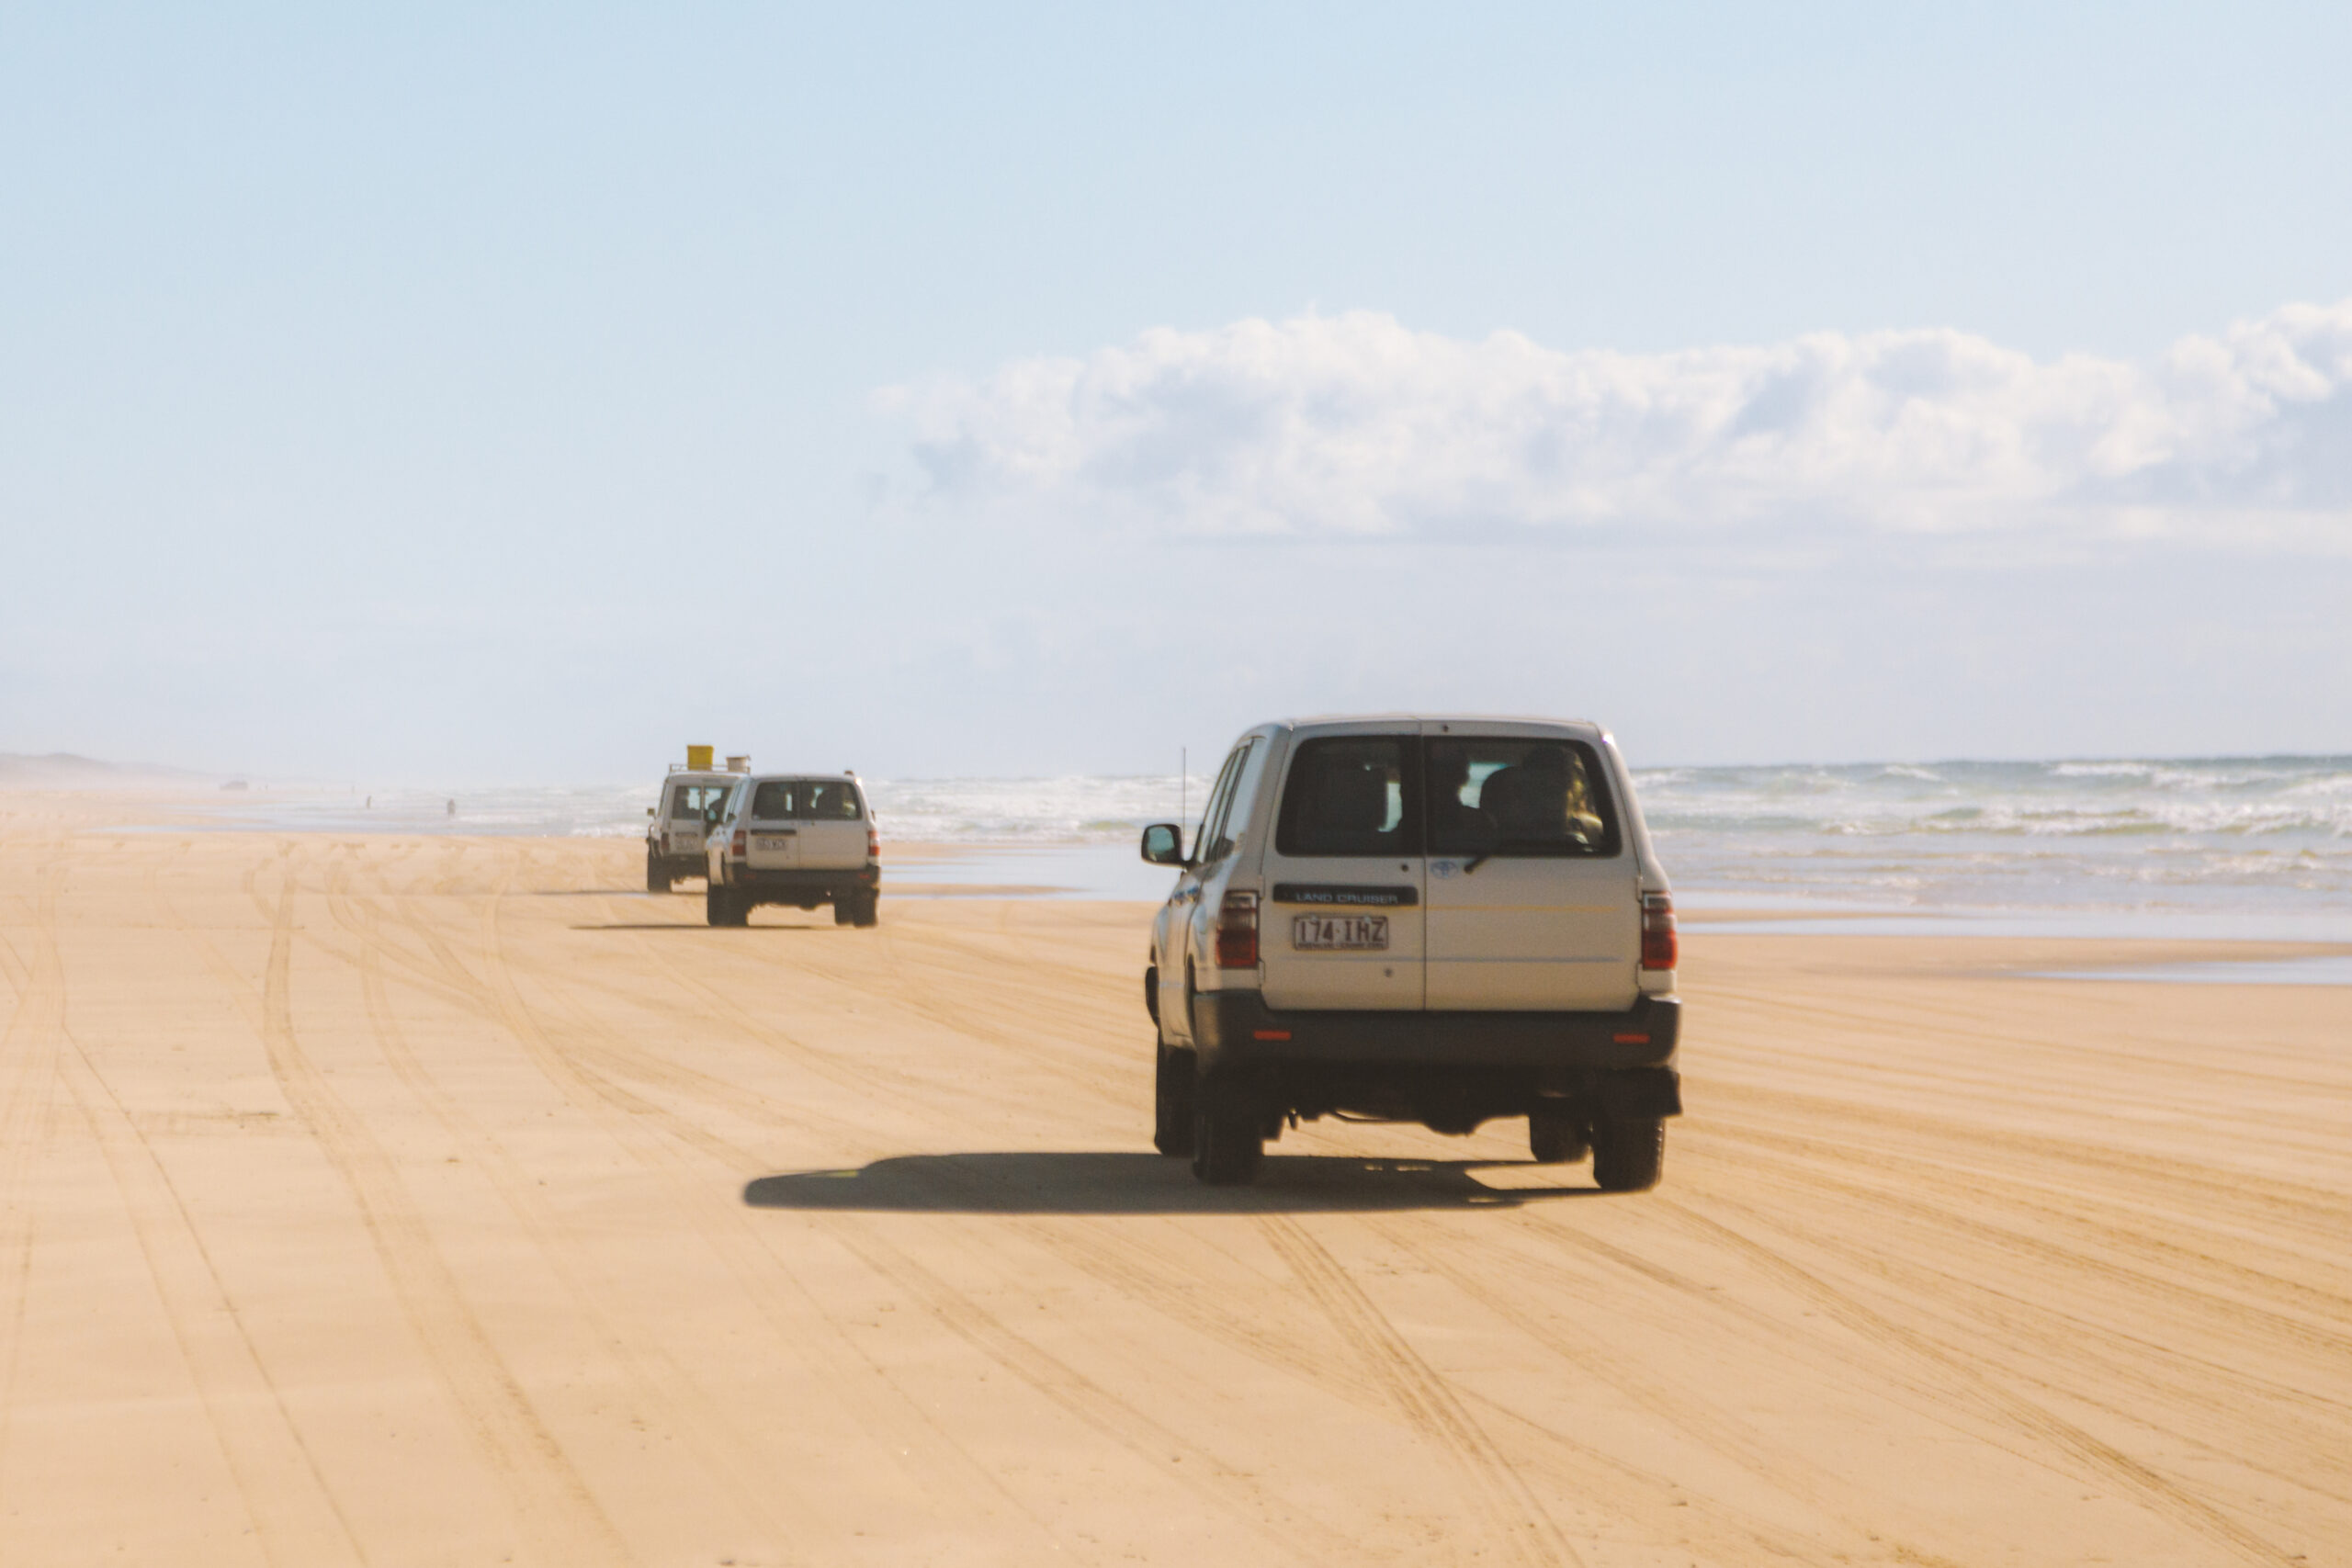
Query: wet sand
x=441, y=1200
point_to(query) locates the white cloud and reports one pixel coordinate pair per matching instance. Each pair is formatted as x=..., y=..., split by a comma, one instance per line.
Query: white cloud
x=1353, y=425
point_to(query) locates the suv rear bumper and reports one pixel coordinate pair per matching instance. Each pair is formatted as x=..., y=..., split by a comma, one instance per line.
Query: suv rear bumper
x=794, y=886
x=1450, y=1069
x=1237, y=1027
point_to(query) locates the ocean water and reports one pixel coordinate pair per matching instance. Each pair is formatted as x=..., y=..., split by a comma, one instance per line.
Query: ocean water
x=2246, y=834
x=2237, y=840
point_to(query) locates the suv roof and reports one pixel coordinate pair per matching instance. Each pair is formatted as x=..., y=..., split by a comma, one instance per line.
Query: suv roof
x=795, y=778
x=1311, y=721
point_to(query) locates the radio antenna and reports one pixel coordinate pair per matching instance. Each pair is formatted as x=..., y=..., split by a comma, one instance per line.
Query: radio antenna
x=1182, y=759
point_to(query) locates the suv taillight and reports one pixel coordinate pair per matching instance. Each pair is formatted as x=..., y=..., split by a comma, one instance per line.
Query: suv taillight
x=873, y=842
x=1237, y=931
x=1658, y=945
x=741, y=845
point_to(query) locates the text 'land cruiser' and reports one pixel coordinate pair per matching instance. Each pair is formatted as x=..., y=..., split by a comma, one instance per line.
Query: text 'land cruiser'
x=1430, y=919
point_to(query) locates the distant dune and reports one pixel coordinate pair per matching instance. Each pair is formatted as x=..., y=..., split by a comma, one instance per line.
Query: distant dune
x=63, y=769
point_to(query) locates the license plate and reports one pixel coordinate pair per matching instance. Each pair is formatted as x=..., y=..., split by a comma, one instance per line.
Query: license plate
x=1359, y=933
x=771, y=843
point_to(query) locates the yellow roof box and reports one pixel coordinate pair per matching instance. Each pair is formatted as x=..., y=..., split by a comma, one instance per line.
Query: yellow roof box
x=698, y=759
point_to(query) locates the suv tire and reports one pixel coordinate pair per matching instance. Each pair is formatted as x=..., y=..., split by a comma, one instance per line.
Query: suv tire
x=1228, y=1134
x=1556, y=1136
x=656, y=879
x=1628, y=1153
x=1175, y=1087
x=869, y=911
x=724, y=906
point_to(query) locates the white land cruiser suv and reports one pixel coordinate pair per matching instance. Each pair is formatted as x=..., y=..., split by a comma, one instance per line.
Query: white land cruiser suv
x=793, y=838
x=1430, y=919
x=674, y=840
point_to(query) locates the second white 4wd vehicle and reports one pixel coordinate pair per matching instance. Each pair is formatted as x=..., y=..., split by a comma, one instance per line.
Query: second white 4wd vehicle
x=1407, y=919
x=798, y=840
x=673, y=840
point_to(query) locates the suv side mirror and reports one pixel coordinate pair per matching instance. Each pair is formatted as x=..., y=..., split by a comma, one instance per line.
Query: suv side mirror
x=649, y=811
x=1163, y=844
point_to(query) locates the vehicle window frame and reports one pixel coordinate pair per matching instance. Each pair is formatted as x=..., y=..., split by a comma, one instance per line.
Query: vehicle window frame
x=1411, y=835
x=1603, y=799
x=1212, y=809
x=1236, y=765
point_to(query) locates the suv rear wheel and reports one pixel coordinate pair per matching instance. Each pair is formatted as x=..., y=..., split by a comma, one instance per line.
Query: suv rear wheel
x=656, y=879
x=1228, y=1133
x=1628, y=1153
x=725, y=907
x=1556, y=1137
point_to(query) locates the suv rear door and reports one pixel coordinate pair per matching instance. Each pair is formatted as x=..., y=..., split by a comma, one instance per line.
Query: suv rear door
x=1535, y=899
x=805, y=825
x=1341, y=922
x=692, y=804
x=832, y=824
x=770, y=830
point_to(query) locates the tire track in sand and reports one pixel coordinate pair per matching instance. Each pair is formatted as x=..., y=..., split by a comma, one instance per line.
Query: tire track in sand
x=1516, y=1517
x=1754, y=1452
x=659, y=1382
x=295, y=1517
x=904, y=1434
x=28, y=1058
x=556, y=1507
x=1977, y=1386
x=1220, y=1485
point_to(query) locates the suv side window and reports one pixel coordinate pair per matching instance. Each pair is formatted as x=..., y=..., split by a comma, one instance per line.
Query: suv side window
x=1499, y=795
x=1213, y=811
x=1218, y=824
x=1352, y=794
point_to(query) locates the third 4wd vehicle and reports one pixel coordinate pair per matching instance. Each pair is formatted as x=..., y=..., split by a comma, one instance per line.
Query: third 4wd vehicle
x=673, y=840
x=1430, y=919
x=798, y=840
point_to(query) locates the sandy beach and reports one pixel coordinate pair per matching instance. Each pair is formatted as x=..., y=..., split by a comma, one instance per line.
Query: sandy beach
x=390, y=1201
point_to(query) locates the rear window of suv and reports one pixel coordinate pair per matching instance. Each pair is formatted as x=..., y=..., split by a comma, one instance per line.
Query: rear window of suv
x=698, y=800
x=805, y=800
x=1351, y=795
x=1508, y=796
x=1470, y=795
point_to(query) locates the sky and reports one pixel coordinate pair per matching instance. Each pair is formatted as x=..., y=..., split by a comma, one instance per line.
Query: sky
x=434, y=394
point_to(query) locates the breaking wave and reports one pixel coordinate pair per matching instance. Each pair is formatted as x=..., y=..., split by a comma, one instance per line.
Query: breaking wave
x=2253, y=831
